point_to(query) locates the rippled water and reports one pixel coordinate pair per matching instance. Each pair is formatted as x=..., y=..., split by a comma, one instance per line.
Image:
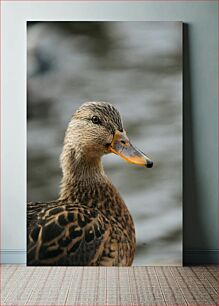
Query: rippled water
x=137, y=67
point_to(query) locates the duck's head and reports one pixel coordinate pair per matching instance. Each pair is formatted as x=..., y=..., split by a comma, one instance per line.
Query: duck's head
x=96, y=129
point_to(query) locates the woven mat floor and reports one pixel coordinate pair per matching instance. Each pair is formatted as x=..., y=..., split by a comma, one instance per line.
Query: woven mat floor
x=137, y=286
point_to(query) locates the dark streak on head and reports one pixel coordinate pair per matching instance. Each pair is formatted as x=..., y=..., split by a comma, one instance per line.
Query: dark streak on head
x=107, y=113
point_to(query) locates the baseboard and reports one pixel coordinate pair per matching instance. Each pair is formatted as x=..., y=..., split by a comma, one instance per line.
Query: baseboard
x=12, y=256
x=190, y=257
x=200, y=257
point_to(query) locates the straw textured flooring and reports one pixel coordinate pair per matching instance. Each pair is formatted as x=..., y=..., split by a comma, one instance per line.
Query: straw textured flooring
x=23, y=285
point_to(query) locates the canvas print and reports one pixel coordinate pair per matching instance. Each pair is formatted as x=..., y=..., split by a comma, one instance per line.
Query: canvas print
x=104, y=143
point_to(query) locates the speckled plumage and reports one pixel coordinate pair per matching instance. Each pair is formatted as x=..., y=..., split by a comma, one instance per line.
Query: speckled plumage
x=89, y=224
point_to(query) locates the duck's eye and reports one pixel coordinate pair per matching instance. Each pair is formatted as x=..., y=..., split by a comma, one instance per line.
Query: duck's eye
x=95, y=120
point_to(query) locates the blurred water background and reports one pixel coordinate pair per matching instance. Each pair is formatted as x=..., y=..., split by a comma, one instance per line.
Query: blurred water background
x=137, y=66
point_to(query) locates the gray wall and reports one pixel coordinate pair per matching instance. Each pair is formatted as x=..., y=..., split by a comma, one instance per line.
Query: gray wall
x=200, y=112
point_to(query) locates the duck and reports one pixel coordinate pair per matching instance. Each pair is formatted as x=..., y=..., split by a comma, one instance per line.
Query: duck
x=89, y=224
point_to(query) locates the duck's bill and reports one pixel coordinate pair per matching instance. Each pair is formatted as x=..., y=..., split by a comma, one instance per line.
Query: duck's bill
x=121, y=146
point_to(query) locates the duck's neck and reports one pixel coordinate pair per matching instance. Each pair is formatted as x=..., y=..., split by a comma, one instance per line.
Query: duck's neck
x=85, y=183
x=80, y=173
